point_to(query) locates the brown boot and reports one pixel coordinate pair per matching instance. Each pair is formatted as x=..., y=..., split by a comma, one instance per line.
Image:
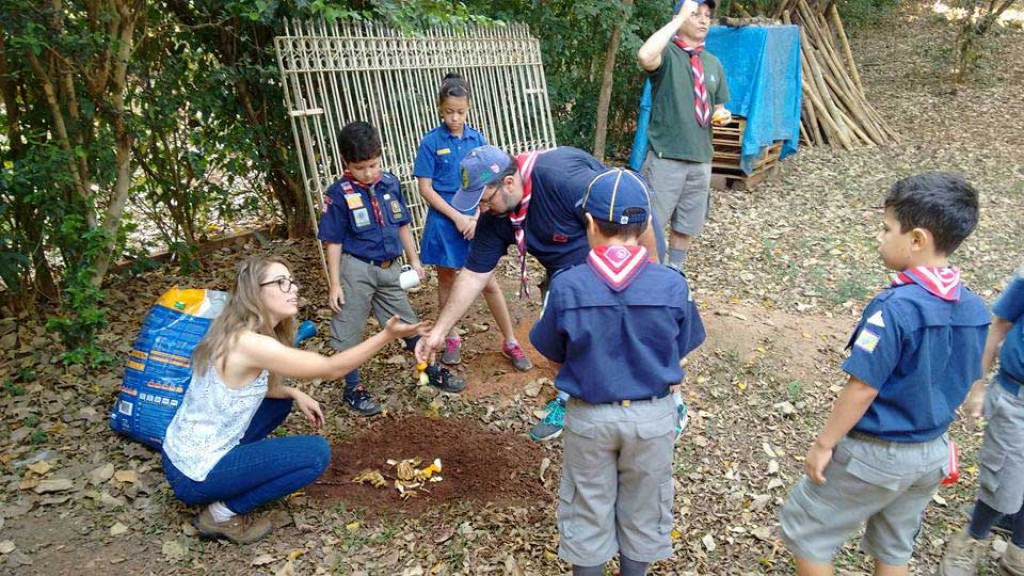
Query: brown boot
x=961, y=557
x=240, y=529
x=1012, y=563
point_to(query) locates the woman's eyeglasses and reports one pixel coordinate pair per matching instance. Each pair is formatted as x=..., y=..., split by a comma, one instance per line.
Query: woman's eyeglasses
x=285, y=284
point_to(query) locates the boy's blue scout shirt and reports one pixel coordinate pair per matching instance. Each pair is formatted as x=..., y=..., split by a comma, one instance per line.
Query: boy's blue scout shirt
x=1010, y=306
x=440, y=155
x=555, y=229
x=349, y=217
x=922, y=354
x=618, y=345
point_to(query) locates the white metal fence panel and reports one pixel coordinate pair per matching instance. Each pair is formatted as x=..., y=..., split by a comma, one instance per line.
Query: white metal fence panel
x=334, y=74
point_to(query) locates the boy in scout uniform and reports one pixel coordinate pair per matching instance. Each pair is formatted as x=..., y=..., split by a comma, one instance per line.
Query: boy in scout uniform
x=365, y=225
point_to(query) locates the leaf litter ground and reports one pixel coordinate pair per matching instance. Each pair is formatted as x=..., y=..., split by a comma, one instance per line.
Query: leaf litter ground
x=780, y=276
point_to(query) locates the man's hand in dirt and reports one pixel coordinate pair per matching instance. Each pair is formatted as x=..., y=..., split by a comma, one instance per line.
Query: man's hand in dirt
x=818, y=458
x=428, y=345
x=335, y=297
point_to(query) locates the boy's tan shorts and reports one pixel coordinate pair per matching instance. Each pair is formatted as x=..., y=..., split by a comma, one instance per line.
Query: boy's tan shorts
x=884, y=484
x=1001, y=482
x=616, y=491
x=367, y=287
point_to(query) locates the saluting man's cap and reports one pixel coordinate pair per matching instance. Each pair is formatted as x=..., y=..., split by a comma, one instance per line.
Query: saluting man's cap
x=611, y=194
x=479, y=169
x=679, y=5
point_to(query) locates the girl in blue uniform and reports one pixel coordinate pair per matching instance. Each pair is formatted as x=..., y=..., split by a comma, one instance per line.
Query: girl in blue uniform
x=447, y=232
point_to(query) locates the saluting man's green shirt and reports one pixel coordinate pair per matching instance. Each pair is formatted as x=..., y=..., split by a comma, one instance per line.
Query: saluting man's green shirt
x=674, y=132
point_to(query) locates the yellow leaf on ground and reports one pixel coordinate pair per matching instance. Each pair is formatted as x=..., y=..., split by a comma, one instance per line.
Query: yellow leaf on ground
x=352, y=526
x=126, y=476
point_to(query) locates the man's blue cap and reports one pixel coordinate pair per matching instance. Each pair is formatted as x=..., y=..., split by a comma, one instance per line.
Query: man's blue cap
x=479, y=168
x=614, y=192
x=679, y=5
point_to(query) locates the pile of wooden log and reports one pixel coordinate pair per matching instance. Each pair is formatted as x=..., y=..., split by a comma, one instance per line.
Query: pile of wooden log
x=835, y=109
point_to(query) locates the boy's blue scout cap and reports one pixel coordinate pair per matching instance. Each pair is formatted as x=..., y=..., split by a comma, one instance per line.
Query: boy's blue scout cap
x=612, y=193
x=679, y=5
x=479, y=169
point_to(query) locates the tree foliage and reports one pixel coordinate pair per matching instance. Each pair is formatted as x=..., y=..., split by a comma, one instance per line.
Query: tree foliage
x=171, y=113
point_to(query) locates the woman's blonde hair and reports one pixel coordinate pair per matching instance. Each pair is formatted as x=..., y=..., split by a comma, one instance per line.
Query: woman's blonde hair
x=243, y=311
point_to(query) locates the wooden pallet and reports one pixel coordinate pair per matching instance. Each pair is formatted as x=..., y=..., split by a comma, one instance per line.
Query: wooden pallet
x=726, y=173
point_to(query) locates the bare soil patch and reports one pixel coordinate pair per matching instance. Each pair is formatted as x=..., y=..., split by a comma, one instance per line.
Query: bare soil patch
x=478, y=466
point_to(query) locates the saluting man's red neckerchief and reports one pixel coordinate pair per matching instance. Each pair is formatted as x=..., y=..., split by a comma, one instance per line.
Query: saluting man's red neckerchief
x=518, y=218
x=702, y=109
x=941, y=281
x=616, y=265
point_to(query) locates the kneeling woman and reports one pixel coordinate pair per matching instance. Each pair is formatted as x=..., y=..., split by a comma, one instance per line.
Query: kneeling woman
x=216, y=450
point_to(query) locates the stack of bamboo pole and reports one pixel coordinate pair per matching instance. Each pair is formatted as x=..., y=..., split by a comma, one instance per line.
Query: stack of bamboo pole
x=835, y=109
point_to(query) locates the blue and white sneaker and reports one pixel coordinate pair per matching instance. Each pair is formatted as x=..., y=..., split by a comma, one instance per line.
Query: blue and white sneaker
x=551, y=426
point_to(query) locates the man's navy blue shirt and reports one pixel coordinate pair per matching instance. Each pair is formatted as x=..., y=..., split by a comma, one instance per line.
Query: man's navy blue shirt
x=555, y=229
x=349, y=218
x=922, y=354
x=618, y=345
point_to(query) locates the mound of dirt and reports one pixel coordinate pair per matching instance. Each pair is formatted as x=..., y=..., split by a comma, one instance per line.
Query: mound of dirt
x=479, y=466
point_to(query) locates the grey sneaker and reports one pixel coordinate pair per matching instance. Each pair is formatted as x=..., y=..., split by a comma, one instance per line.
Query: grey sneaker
x=1012, y=562
x=444, y=380
x=551, y=426
x=240, y=529
x=514, y=352
x=452, y=351
x=359, y=400
x=961, y=557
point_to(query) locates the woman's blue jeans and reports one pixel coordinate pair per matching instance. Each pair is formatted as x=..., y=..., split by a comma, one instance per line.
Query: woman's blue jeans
x=259, y=470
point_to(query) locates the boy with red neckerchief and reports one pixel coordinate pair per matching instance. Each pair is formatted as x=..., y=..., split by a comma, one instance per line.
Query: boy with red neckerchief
x=914, y=355
x=618, y=325
x=365, y=226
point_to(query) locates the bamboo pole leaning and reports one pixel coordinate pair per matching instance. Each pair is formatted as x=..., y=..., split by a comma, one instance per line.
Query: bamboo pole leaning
x=836, y=111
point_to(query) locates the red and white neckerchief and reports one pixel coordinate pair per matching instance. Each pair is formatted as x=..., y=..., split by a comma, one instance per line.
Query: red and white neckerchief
x=702, y=109
x=518, y=217
x=941, y=281
x=616, y=265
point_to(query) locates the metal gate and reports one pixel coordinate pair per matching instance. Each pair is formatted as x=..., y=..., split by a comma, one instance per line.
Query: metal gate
x=334, y=74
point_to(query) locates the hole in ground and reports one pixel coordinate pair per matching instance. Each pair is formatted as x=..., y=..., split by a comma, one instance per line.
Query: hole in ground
x=479, y=466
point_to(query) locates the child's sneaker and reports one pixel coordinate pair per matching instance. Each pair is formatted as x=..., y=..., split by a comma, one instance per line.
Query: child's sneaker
x=452, y=351
x=443, y=380
x=961, y=557
x=514, y=352
x=1012, y=563
x=551, y=426
x=360, y=401
x=683, y=418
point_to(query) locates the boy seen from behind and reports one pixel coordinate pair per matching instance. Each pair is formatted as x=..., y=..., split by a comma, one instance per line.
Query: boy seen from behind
x=618, y=325
x=365, y=225
x=914, y=355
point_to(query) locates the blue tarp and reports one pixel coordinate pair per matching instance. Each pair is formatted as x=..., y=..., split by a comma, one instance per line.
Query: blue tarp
x=762, y=66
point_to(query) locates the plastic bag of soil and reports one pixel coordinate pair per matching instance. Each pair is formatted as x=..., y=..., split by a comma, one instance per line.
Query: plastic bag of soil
x=158, y=369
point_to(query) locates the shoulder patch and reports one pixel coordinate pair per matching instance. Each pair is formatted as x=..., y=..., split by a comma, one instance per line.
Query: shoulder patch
x=876, y=320
x=867, y=340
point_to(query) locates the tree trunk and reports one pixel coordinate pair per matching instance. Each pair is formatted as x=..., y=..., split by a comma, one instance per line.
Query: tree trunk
x=607, y=84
